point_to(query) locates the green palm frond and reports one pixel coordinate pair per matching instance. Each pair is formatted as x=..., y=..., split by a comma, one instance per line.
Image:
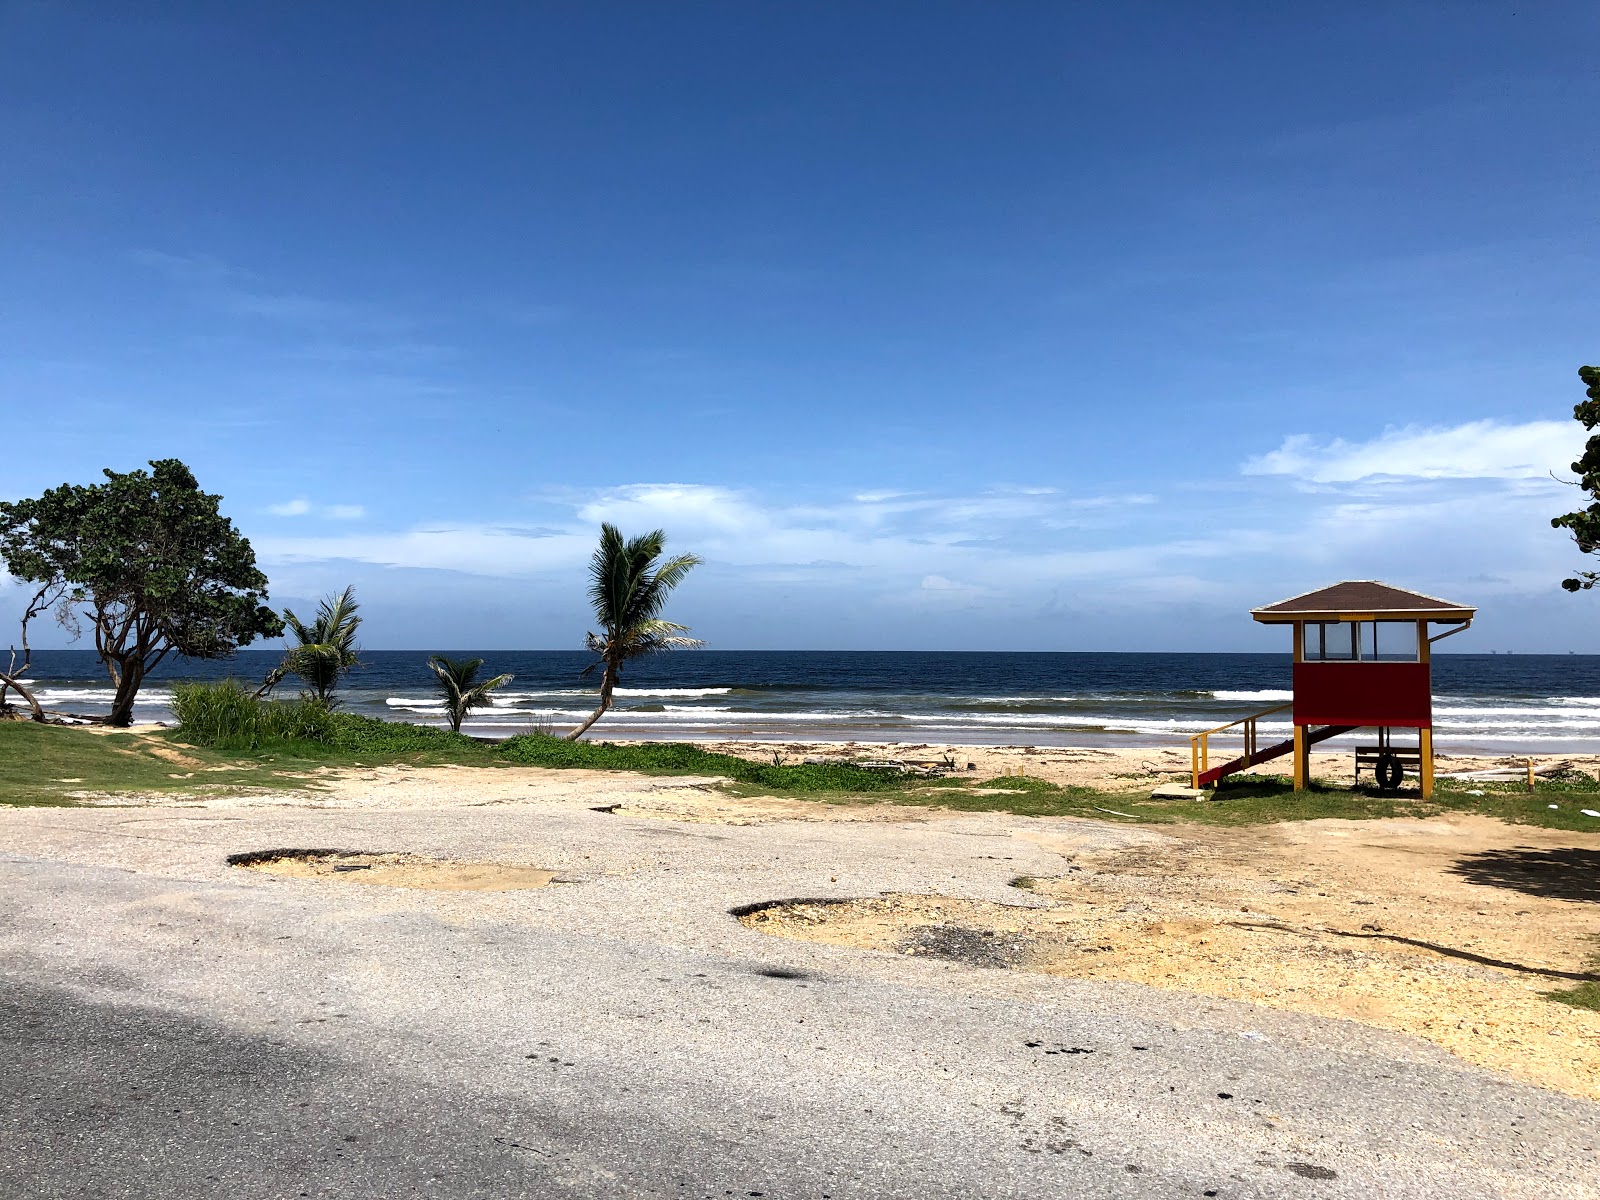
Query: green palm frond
x=327, y=647
x=629, y=585
x=459, y=685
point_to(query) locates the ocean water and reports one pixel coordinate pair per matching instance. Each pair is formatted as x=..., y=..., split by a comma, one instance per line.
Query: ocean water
x=1482, y=703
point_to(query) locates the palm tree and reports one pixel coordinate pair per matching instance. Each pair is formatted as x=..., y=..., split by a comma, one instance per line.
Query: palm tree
x=457, y=684
x=327, y=648
x=629, y=589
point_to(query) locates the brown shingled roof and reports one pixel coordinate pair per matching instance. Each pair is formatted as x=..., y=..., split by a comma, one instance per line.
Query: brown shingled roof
x=1364, y=596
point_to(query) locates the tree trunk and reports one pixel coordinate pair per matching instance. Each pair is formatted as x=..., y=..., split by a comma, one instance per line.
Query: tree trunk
x=608, y=683
x=11, y=682
x=132, y=675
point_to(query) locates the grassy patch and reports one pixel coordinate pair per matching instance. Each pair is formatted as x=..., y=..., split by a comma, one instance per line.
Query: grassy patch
x=683, y=758
x=47, y=765
x=1585, y=995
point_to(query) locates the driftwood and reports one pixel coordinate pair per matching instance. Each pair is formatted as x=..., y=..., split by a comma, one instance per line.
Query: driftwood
x=1508, y=772
x=47, y=597
x=9, y=681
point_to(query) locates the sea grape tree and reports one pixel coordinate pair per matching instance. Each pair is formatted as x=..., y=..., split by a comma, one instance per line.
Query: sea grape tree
x=148, y=562
x=1585, y=522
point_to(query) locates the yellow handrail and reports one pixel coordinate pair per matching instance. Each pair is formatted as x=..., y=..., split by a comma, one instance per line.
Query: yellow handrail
x=1200, y=748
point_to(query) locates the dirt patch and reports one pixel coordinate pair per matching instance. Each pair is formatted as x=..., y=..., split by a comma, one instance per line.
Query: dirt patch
x=1446, y=929
x=395, y=870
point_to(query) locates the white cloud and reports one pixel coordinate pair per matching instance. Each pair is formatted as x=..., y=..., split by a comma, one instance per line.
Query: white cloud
x=300, y=507
x=661, y=505
x=1476, y=450
x=938, y=583
x=899, y=539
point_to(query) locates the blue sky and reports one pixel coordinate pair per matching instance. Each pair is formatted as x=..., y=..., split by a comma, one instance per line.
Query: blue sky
x=929, y=325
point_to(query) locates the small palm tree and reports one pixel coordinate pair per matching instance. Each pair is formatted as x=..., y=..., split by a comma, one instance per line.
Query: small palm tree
x=629, y=589
x=458, y=685
x=327, y=649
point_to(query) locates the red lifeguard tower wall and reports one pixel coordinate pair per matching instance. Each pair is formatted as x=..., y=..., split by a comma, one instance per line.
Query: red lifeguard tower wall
x=1396, y=694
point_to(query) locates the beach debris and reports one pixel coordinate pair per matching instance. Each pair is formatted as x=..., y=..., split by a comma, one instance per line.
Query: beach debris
x=1113, y=812
x=1177, y=791
x=1254, y=1035
x=1589, y=812
x=898, y=766
x=1513, y=769
x=1552, y=806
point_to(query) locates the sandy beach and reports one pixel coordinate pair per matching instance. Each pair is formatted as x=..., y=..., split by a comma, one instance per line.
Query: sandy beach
x=1120, y=768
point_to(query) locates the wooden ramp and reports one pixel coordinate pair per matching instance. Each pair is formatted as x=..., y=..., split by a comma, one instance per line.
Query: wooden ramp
x=1203, y=774
x=1250, y=758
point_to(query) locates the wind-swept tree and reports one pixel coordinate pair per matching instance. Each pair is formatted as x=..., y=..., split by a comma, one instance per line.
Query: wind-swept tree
x=1585, y=522
x=148, y=561
x=629, y=586
x=459, y=685
x=326, y=649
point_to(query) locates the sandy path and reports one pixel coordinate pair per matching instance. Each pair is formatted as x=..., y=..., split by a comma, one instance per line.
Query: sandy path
x=1447, y=929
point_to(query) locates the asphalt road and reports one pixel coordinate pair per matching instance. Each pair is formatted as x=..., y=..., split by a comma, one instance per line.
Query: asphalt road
x=175, y=1027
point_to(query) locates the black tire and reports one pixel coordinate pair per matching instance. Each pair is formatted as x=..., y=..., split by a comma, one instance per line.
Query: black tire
x=1390, y=771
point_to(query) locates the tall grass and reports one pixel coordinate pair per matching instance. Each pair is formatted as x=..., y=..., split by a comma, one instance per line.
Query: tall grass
x=227, y=716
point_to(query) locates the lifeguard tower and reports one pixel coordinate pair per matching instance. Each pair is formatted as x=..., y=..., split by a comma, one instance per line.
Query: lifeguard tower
x=1361, y=660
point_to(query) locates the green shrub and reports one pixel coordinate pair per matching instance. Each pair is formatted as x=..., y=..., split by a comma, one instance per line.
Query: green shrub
x=371, y=735
x=228, y=716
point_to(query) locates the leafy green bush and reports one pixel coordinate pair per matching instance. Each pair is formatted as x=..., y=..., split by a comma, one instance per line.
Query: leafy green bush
x=228, y=716
x=371, y=735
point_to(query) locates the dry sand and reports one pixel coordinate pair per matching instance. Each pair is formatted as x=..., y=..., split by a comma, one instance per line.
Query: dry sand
x=1446, y=928
x=400, y=870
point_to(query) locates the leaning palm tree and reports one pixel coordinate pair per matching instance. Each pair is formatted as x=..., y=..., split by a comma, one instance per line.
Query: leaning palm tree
x=327, y=647
x=629, y=589
x=458, y=684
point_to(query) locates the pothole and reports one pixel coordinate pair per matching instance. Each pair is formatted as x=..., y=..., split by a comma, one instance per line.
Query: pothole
x=394, y=869
x=976, y=933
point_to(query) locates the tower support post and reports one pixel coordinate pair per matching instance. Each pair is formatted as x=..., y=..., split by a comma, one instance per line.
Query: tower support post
x=1426, y=740
x=1302, y=767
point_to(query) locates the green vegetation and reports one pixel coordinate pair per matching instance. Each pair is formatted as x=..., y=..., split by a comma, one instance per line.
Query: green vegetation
x=1585, y=995
x=224, y=726
x=147, y=559
x=326, y=649
x=1582, y=995
x=682, y=758
x=628, y=589
x=49, y=765
x=225, y=716
x=461, y=688
x=1584, y=523
x=374, y=740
